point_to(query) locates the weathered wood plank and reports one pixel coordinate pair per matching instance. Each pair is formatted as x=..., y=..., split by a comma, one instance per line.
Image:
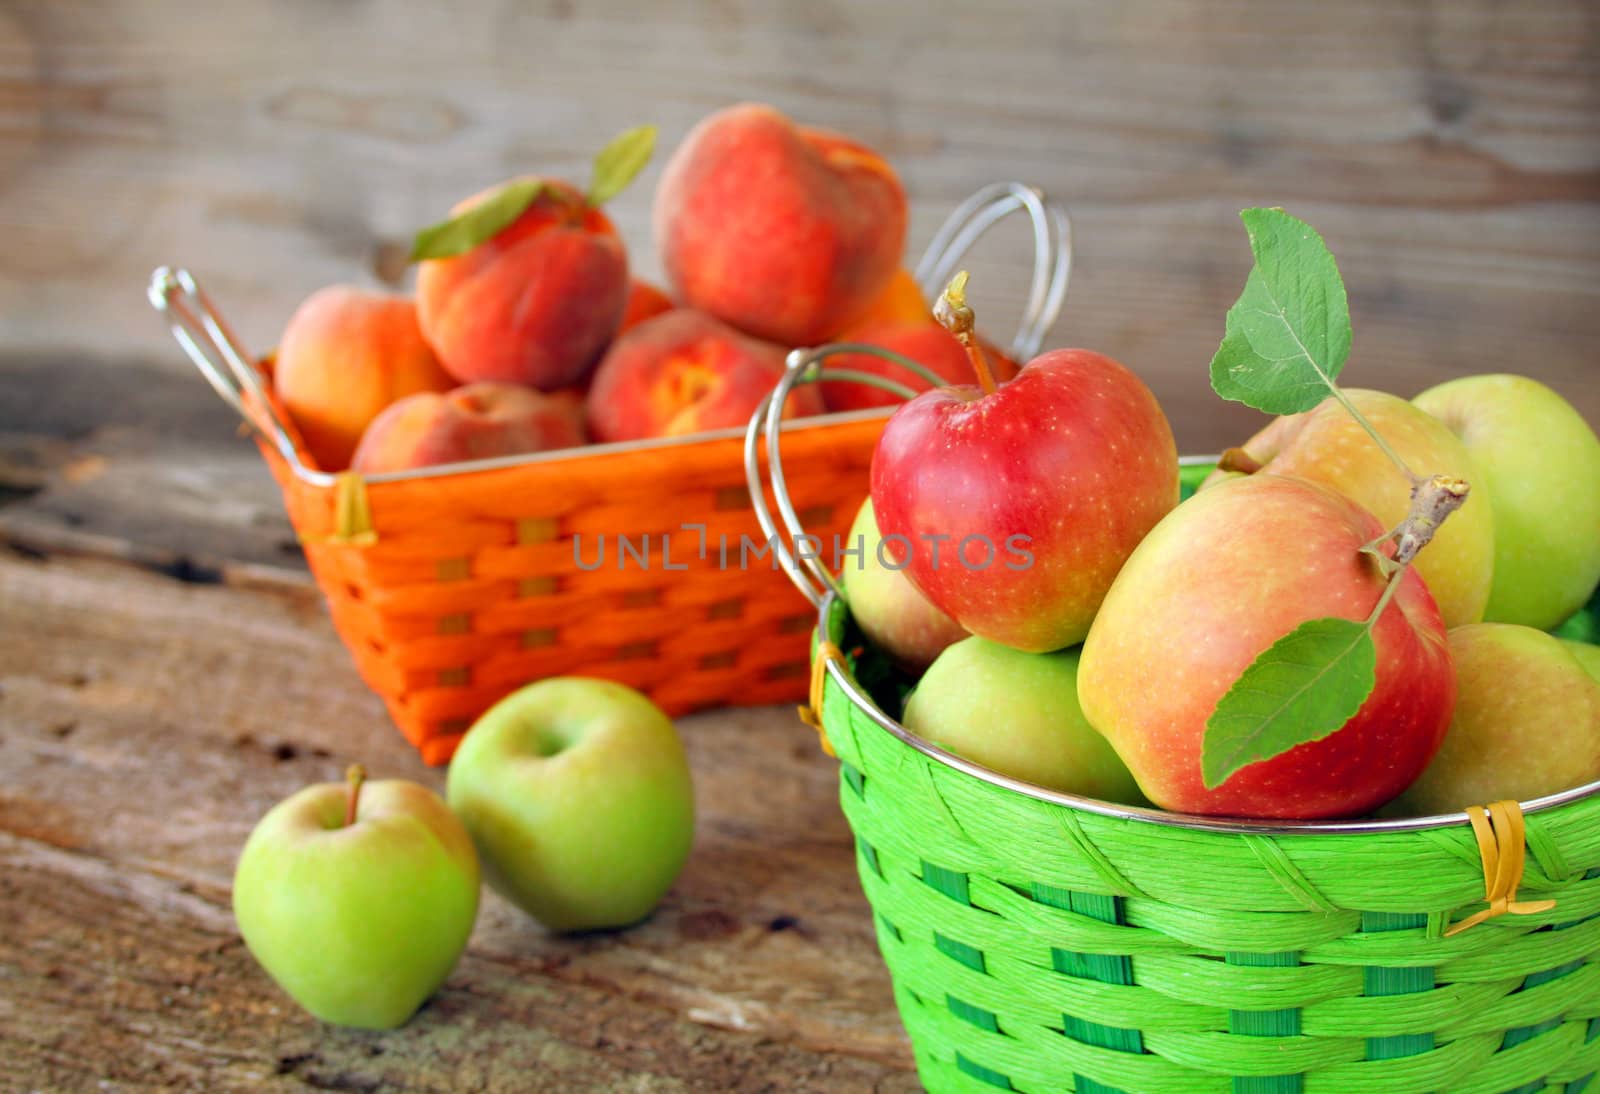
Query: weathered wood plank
x=146, y=723
x=1451, y=153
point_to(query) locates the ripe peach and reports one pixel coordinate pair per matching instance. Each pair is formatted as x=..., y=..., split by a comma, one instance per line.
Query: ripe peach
x=475, y=422
x=686, y=372
x=346, y=354
x=645, y=301
x=900, y=302
x=537, y=303
x=789, y=234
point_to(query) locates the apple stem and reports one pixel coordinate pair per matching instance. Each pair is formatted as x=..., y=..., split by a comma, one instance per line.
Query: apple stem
x=955, y=316
x=355, y=775
x=1237, y=459
x=1361, y=419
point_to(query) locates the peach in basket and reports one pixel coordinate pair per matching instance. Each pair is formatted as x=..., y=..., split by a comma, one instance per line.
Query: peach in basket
x=474, y=422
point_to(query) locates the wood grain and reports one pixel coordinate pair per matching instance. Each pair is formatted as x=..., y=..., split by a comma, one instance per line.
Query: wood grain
x=1449, y=152
x=147, y=723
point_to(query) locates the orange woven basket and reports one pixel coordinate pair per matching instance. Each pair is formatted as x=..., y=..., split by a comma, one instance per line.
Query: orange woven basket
x=640, y=562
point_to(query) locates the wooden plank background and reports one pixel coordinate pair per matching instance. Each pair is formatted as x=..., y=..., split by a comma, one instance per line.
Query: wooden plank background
x=1449, y=151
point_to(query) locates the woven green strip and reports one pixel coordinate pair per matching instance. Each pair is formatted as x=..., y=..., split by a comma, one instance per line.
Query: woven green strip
x=1102, y=968
x=1386, y=980
x=1284, y=1022
x=1523, y=1034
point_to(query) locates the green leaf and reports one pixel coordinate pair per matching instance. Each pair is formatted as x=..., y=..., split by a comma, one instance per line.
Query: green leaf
x=478, y=224
x=1288, y=335
x=619, y=162
x=1307, y=685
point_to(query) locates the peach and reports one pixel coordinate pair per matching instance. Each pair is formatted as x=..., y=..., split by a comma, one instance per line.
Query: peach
x=535, y=304
x=474, y=422
x=645, y=301
x=346, y=354
x=686, y=372
x=901, y=302
x=789, y=234
x=925, y=342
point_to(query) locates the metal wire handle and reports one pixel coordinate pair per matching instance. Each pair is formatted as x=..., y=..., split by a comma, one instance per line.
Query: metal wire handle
x=217, y=352
x=1052, y=254
x=1052, y=265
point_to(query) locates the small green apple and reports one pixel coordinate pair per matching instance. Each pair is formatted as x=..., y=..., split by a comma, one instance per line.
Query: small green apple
x=358, y=901
x=577, y=793
x=1526, y=723
x=892, y=612
x=1017, y=713
x=1540, y=462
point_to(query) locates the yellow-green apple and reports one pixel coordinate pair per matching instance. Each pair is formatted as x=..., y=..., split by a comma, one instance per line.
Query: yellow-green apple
x=791, y=234
x=1587, y=655
x=1327, y=445
x=1527, y=723
x=358, y=900
x=1231, y=571
x=473, y=422
x=1021, y=504
x=577, y=793
x=1539, y=465
x=1017, y=713
x=686, y=372
x=892, y=613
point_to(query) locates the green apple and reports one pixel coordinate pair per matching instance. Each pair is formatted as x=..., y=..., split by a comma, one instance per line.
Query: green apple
x=1327, y=445
x=1586, y=655
x=1540, y=462
x=1526, y=723
x=892, y=612
x=1017, y=713
x=358, y=900
x=577, y=793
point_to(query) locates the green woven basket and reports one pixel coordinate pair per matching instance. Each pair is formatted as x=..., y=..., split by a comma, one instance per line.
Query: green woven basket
x=1043, y=942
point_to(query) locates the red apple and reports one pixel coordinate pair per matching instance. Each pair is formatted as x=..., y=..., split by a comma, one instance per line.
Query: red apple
x=1022, y=503
x=1226, y=575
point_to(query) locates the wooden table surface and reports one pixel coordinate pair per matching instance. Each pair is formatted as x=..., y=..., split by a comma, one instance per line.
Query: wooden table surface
x=167, y=671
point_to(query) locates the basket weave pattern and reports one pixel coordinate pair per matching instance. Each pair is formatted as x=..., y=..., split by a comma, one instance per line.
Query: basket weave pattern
x=1038, y=947
x=468, y=586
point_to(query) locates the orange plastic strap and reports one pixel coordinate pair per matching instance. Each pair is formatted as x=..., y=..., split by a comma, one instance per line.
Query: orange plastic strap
x=352, y=517
x=811, y=714
x=1500, y=829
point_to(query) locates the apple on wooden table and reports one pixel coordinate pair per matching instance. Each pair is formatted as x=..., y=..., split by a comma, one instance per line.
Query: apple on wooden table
x=577, y=794
x=358, y=900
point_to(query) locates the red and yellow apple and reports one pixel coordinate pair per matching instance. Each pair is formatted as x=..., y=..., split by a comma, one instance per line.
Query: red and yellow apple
x=890, y=610
x=1527, y=723
x=1022, y=504
x=1227, y=574
x=789, y=234
x=1328, y=445
x=1539, y=466
x=686, y=372
x=473, y=422
x=346, y=354
x=534, y=304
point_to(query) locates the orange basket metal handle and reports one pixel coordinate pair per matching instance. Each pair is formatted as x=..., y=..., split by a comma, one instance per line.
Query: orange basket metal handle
x=219, y=355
